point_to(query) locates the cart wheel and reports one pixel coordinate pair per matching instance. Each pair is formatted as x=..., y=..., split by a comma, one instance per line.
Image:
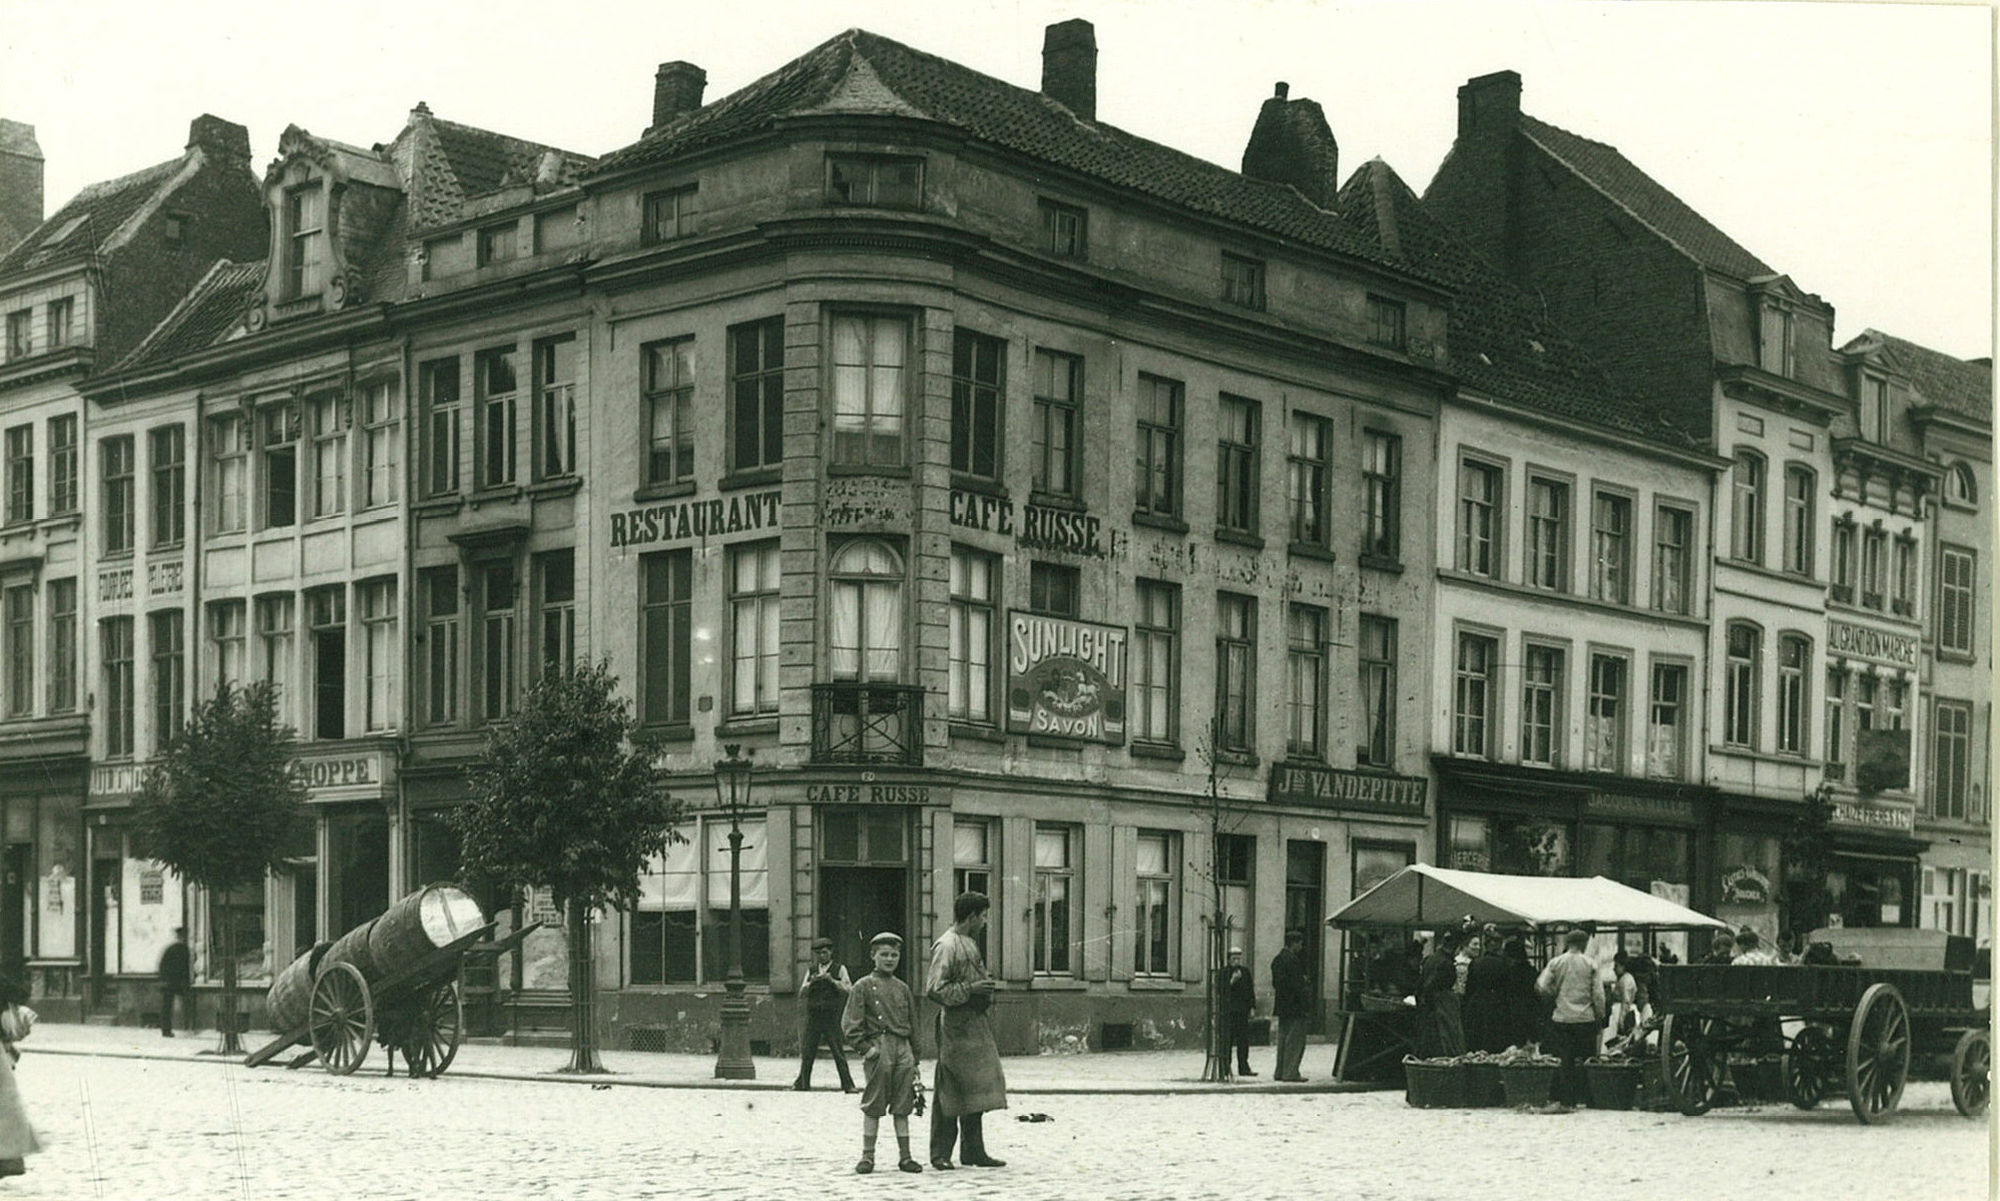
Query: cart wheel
x=436, y=1022
x=1687, y=1063
x=1878, y=1053
x=1971, y=1073
x=342, y=1018
x=1806, y=1062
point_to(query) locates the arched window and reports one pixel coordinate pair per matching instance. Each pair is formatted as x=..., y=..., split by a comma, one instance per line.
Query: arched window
x=1799, y=527
x=1746, y=518
x=1742, y=654
x=866, y=639
x=1960, y=486
x=1794, y=699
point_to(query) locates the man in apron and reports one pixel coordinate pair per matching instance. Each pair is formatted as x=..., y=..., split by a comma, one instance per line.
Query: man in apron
x=968, y=1081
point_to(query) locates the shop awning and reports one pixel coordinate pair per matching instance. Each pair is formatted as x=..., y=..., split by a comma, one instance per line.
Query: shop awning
x=1424, y=896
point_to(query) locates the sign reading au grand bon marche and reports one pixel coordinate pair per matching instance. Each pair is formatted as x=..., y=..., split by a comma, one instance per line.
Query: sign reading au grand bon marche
x=1865, y=642
x=1324, y=787
x=686, y=520
x=1065, y=678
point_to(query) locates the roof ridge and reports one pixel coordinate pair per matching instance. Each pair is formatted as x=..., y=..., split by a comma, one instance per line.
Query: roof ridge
x=105, y=187
x=179, y=313
x=494, y=133
x=1605, y=192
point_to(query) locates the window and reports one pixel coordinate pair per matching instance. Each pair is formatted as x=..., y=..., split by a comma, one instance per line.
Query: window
x=1836, y=723
x=1238, y=470
x=1242, y=281
x=1541, y=705
x=495, y=374
x=1305, y=671
x=1960, y=486
x=1548, y=533
x=1843, y=559
x=1874, y=550
x=555, y=612
x=1055, y=589
x=20, y=334
x=1739, y=685
x=1235, y=870
x=1799, y=529
x=753, y=629
x=1611, y=548
x=973, y=870
x=1665, y=737
x=1156, y=665
x=167, y=447
x=870, y=356
x=281, y=465
x=1157, y=935
x=1794, y=699
x=118, y=514
x=165, y=632
x=1235, y=673
x=1382, y=479
x=978, y=390
x=1311, y=476
x=1774, y=339
x=669, y=215
x=440, y=591
x=305, y=220
x=326, y=615
x=866, y=580
x=274, y=637
x=499, y=598
x=874, y=181
x=757, y=394
x=1472, y=695
x=555, y=407
x=1065, y=230
x=1385, y=322
x=1058, y=396
x=1055, y=881
x=1673, y=538
x=1478, y=504
x=1865, y=688
x=116, y=637
x=1159, y=472
x=970, y=681
x=1746, y=516
x=680, y=926
x=669, y=417
x=329, y=454
x=438, y=384
x=1604, y=720
x=227, y=623
x=20, y=607
x=21, y=473
x=62, y=464
x=497, y=243
x=62, y=645
x=62, y=313
x=380, y=652
x=1955, y=598
x=1951, y=759
x=1894, y=694
x=666, y=636
x=1874, y=408
x=382, y=435
x=1377, y=746
x=1904, y=599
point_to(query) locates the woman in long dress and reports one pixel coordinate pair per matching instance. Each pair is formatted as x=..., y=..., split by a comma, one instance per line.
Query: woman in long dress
x=17, y=1137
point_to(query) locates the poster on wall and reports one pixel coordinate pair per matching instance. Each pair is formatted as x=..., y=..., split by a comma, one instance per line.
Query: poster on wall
x=147, y=927
x=56, y=933
x=1065, y=678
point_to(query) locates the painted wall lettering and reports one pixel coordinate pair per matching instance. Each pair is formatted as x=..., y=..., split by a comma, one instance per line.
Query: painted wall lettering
x=688, y=519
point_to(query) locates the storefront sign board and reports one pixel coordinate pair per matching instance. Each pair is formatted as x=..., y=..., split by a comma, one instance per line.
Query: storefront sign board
x=1065, y=678
x=1866, y=642
x=1899, y=818
x=1338, y=788
x=868, y=794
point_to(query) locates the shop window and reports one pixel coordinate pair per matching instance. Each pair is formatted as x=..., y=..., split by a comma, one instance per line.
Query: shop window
x=978, y=404
x=240, y=913
x=680, y=926
x=1155, y=663
x=1651, y=859
x=1056, y=864
x=974, y=579
x=1156, y=936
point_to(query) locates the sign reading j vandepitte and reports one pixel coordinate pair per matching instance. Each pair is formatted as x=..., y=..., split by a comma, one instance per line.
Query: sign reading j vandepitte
x=1065, y=678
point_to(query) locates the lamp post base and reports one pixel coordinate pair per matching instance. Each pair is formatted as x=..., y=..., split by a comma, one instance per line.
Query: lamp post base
x=732, y=1060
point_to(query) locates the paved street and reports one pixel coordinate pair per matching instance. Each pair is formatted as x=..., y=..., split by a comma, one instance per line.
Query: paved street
x=130, y=1129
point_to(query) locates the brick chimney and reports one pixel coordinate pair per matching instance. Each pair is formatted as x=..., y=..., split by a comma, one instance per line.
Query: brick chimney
x=20, y=182
x=1490, y=104
x=677, y=88
x=1292, y=144
x=224, y=141
x=1069, y=66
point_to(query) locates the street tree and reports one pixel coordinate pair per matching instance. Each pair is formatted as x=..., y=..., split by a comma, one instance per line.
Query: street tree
x=567, y=798
x=220, y=806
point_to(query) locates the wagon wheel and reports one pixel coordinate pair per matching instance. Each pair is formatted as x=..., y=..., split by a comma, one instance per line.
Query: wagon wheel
x=1878, y=1053
x=435, y=1022
x=1687, y=1063
x=1971, y=1072
x=1806, y=1063
x=342, y=1018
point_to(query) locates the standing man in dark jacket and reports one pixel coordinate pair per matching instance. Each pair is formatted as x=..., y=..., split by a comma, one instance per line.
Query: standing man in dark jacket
x=1292, y=1004
x=176, y=980
x=1437, y=997
x=1239, y=1000
x=825, y=992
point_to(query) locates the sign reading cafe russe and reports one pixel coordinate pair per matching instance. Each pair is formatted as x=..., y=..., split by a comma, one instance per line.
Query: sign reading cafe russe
x=685, y=520
x=1065, y=678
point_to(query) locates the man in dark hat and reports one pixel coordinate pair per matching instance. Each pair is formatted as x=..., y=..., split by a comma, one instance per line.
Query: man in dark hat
x=824, y=991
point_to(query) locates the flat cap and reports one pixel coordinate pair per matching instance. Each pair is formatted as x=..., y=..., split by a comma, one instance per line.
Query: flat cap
x=895, y=940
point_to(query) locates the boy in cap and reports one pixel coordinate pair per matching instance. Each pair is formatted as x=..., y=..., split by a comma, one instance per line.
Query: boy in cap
x=824, y=991
x=881, y=1014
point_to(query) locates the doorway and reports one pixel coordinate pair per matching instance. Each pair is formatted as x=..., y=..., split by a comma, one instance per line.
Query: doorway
x=16, y=881
x=864, y=878
x=104, y=883
x=1305, y=907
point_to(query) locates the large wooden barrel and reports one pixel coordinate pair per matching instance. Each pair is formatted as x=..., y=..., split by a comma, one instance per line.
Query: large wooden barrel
x=434, y=916
x=352, y=947
x=286, y=1005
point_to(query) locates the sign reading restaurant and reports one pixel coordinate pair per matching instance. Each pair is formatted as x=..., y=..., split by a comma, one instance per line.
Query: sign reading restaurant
x=1864, y=642
x=1065, y=678
x=683, y=520
x=1324, y=787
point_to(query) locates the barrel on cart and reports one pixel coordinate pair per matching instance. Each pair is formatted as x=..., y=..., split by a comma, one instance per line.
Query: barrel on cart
x=1858, y=1026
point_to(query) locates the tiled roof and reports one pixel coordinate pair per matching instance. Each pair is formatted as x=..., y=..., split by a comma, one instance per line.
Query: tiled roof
x=1957, y=384
x=1500, y=341
x=483, y=161
x=211, y=310
x=1614, y=174
x=87, y=222
x=863, y=73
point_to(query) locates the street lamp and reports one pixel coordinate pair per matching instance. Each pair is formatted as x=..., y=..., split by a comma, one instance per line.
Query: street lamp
x=732, y=792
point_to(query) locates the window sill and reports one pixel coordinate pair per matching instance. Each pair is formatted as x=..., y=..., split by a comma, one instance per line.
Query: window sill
x=169, y=548
x=679, y=732
x=740, y=727
x=1158, y=750
x=751, y=477
x=1238, y=537
x=974, y=732
x=1056, y=984
x=980, y=484
x=1744, y=752
x=1045, y=742
x=1236, y=758
x=1159, y=521
x=1156, y=984
x=503, y=494
x=668, y=491
x=562, y=485
x=115, y=556
x=1381, y=563
x=1309, y=550
x=1962, y=658
x=1057, y=500
x=885, y=470
x=438, y=506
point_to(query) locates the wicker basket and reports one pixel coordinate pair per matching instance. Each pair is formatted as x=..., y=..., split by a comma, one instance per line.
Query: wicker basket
x=1613, y=1085
x=1483, y=1089
x=1528, y=1083
x=1433, y=1086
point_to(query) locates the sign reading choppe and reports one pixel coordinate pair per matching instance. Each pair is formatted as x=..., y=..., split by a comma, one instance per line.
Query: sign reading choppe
x=1065, y=678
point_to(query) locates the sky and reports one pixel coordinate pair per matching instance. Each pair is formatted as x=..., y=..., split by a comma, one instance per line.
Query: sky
x=1848, y=145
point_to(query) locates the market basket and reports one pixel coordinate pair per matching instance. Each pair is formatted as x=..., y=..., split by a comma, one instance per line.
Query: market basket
x=1528, y=1083
x=1429, y=1085
x=1483, y=1089
x=1614, y=1084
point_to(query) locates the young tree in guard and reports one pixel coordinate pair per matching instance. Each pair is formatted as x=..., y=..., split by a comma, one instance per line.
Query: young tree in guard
x=567, y=799
x=220, y=805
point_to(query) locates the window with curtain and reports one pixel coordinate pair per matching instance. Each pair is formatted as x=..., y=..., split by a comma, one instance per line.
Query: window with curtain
x=1742, y=645
x=1794, y=698
x=1156, y=934
x=229, y=452
x=669, y=418
x=1235, y=672
x=1541, y=705
x=970, y=681
x=1548, y=534
x=680, y=926
x=866, y=640
x=973, y=841
x=1377, y=747
x=1472, y=695
x=1305, y=662
x=1667, y=721
x=1604, y=721
x=1799, y=526
x=1311, y=476
x=753, y=629
x=1746, y=515
x=1155, y=663
x=871, y=357
x=665, y=636
x=1673, y=540
x=1478, y=508
x=1055, y=879
x=1611, y=547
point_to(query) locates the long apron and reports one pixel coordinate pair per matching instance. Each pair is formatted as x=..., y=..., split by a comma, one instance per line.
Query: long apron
x=969, y=1079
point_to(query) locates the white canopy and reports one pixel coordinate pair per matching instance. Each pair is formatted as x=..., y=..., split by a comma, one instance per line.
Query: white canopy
x=1425, y=896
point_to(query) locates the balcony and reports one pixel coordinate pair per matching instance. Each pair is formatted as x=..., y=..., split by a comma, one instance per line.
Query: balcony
x=856, y=722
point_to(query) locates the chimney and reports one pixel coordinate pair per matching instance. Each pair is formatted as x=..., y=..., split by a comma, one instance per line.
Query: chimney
x=677, y=88
x=1490, y=104
x=1291, y=144
x=20, y=182
x=1069, y=66
x=224, y=141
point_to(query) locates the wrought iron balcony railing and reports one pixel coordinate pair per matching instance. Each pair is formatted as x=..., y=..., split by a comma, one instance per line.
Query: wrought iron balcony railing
x=856, y=722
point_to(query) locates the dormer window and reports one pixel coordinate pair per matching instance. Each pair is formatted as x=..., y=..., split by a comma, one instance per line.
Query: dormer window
x=1875, y=408
x=877, y=181
x=305, y=217
x=20, y=339
x=669, y=215
x=496, y=244
x=1775, y=335
x=1385, y=322
x=1242, y=281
